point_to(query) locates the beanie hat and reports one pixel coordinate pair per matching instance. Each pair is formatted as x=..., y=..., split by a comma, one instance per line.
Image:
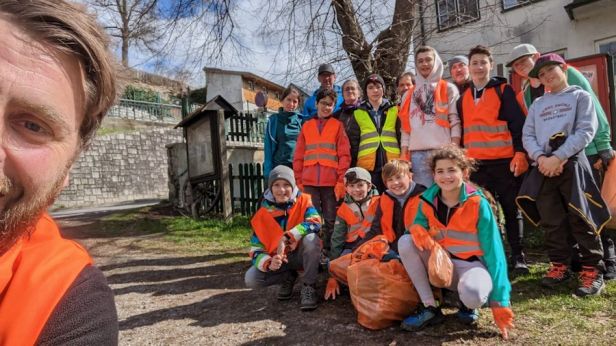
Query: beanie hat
x=281, y=172
x=357, y=173
x=374, y=78
x=457, y=59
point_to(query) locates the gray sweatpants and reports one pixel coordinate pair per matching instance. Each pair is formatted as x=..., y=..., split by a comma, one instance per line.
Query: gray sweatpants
x=470, y=279
x=307, y=256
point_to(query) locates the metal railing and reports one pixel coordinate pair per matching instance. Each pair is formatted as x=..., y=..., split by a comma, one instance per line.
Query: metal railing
x=146, y=111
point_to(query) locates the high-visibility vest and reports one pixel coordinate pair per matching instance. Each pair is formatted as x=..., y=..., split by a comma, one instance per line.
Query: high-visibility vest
x=441, y=107
x=370, y=139
x=269, y=231
x=485, y=136
x=34, y=276
x=387, y=217
x=459, y=236
x=358, y=219
x=321, y=147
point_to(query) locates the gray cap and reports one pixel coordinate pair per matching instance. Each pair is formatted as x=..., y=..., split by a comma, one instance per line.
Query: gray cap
x=457, y=59
x=326, y=68
x=281, y=172
x=357, y=173
x=519, y=51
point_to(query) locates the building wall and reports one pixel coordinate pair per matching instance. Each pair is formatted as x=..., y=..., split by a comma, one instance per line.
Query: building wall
x=229, y=86
x=544, y=24
x=121, y=167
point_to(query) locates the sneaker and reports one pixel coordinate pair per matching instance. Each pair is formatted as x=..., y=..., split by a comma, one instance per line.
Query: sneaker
x=557, y=274
x=467, y=316
x=309, y=300
x=610, y=271
x=425, y=316
x=519, y=265
x=591, y=282
x=286, y=289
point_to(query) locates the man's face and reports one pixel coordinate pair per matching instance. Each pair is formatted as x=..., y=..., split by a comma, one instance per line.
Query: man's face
x=350, y=93
x=327, y=80
x=425, y=63
x=459, y=72
x=524, y=65
x=42, y=103
x=404, y=84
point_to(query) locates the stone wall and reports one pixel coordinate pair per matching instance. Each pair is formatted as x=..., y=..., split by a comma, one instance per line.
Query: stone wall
x=121, y=167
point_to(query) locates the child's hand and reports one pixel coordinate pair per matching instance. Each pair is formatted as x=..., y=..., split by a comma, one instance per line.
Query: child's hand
x=421, y=238
x=290, y=242
x=551, y=166
x=503, y=318
x=332, y=289
x=339, y=191
x=276, y=262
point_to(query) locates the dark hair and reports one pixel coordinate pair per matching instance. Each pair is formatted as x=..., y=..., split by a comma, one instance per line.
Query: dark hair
x=326, y=93
x=406, y=74
x=291, y=90
x=479, y=49
x=423, y=49
x=454, y=153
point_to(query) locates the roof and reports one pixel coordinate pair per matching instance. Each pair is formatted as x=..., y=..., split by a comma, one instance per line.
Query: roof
x=214, y=104
x=246, y=75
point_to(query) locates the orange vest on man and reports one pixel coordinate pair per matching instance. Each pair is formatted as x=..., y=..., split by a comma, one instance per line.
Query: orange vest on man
x=321, y=146
x=358, y=221
x=269, y=231
x=34, y=276
x=485, y=136
x=387, y=217
x=441, y=107
x=459, y=236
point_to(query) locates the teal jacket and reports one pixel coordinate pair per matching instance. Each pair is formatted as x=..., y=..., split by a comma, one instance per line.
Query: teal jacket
x=602, y=138
x=489, y=240
x=281, y=135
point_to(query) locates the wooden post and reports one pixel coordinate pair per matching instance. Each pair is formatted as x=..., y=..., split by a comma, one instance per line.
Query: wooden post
x=227, y=201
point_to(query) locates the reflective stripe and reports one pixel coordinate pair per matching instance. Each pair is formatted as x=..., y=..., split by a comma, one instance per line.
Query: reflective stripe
x=391, y=145
x=457, y=235
x=321, y=156
x=463, y=248
x=441, y=104
x=321, y=145
x=486, y=128
x=368, y=135
x=312, y=146
x=388, y=133
x=367, y=146
x=493, y=144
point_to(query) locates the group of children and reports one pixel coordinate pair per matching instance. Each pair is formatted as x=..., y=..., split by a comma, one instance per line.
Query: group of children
x=375, y=168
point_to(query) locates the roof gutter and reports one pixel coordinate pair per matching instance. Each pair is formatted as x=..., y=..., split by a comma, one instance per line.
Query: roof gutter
x=575, y=4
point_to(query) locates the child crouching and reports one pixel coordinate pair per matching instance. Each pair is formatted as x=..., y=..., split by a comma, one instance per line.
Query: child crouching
x=461, y=220
x=285, y=240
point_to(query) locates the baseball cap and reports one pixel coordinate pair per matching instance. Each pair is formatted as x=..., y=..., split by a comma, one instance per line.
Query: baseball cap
x=357, y=173
x=520, y=51
x=545, y=60
x=326, y=68
x=374, y=78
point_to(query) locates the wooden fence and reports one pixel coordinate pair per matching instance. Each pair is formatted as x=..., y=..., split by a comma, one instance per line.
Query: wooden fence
x=245, y=127
x=247, y=185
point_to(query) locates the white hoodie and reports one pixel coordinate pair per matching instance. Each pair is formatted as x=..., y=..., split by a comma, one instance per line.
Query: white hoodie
x=426, y=134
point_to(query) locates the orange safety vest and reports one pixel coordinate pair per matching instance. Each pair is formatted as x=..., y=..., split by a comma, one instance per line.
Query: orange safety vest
x=485, y=136
x=387, y=209
x=459, y=236
x=34, y=276
x=269, y=231
x=441, y=107
x=321, y=147
x=359, y=219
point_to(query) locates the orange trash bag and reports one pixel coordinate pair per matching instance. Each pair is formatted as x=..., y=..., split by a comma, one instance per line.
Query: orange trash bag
x=381, y=292
x=608, y=192
x=338, y=268
x=440, y=267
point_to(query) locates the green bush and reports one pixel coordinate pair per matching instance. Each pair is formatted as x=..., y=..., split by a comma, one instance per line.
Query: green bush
x=135, y=93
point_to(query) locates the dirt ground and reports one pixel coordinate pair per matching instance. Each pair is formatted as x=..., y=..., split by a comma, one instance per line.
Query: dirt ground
x=166, y=296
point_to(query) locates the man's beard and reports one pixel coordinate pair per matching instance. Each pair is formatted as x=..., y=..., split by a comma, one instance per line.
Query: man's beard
x=21, y=213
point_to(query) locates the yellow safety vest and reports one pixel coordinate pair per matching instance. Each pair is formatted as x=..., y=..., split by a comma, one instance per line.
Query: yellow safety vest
x=370, y=139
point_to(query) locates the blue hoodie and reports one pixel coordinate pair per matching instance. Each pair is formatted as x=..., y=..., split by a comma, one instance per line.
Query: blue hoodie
x=310, y=106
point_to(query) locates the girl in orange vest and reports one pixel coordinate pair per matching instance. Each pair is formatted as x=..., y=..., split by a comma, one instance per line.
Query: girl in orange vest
x=321, y=158
x=353, y=219
x=284, y=240
x=458, y=217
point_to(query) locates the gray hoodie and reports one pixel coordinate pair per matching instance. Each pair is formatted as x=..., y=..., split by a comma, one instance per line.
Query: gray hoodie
x=570, y=111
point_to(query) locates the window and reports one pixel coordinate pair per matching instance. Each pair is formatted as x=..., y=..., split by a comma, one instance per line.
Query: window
x=452, y=13
x=251, y=85
x=609, y=47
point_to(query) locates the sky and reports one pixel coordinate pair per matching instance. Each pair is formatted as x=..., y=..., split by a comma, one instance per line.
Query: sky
x=262, y=56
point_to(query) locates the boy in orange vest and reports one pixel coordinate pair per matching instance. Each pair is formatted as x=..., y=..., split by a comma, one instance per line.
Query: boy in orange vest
x=284, y=240
x=353, y=219
x=398, y=204
x=322, y=155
